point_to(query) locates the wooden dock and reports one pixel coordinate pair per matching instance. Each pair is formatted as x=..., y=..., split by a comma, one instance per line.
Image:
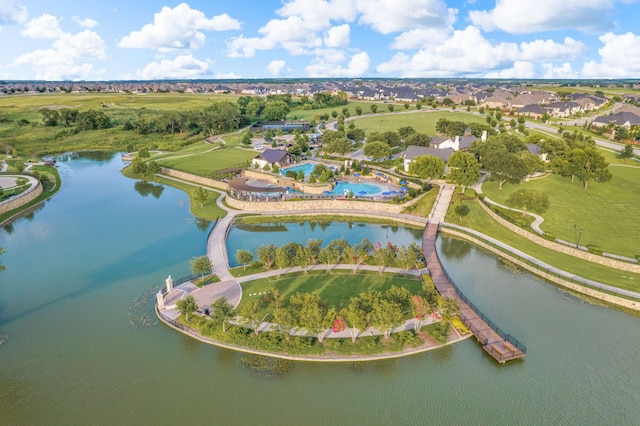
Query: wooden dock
x=501, y=347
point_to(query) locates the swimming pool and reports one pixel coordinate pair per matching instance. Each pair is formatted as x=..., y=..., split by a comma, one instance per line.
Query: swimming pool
x=307, y=168
x=358, y=188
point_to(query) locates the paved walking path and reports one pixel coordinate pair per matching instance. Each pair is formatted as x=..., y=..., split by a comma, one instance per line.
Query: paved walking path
x=441, y=205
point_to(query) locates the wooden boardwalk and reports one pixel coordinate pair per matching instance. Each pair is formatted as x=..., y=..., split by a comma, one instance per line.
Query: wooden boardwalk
x=500, y=348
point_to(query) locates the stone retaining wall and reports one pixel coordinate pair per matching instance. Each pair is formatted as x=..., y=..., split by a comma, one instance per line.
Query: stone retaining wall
x=21, y=200
x=223, y=186
x=601, y=260
x=334, y=204
x=606, y=297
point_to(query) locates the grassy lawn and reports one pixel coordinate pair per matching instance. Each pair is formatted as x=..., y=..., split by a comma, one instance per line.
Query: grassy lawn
x=209, y=211
x=479, y=220
x=606, y=212
x=422, y=122
x=314, y=114
x=207, y=163
x=335, y=289
x=424, y=205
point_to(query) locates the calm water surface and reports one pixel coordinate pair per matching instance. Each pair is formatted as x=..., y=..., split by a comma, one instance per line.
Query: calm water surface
x=75, y=313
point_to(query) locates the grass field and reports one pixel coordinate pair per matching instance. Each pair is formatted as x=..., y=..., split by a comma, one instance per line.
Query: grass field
x=207, y=163
x=607, y=212
x=334, y=289
x=423, y=122
x=314, y=114
x=479, y=220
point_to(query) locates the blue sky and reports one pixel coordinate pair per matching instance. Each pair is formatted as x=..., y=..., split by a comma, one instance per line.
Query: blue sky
x=113, y=40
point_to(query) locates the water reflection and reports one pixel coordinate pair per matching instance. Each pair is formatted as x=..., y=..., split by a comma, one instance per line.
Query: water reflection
x=454, y=248
x=203, y=224
x=145, y=188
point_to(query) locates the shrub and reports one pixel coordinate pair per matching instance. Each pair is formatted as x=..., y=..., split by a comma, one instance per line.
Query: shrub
x=638, y=258
x=481, y=196
x=550, y=236
x=592, y=248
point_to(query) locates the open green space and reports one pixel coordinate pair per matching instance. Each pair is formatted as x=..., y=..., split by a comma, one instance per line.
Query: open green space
x=424, y=121
x=209, y=210
x=314, y=114
x=480, y=220
x=607, y=212
x=335, y=289
x=208, y=163
x=49, y=188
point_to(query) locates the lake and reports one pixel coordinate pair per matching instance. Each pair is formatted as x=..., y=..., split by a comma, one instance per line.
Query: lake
x=82, y=345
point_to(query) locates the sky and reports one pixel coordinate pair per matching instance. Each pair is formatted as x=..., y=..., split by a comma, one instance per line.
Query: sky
x=222, y=39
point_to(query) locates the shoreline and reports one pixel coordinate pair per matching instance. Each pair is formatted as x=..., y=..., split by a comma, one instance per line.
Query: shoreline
x=187, y=331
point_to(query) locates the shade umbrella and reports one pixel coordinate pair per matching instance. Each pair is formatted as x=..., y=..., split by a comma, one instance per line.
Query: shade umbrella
x=362, y=192
x=356, y=174
x=403, y=182
x=379, y=173
x=326, y=192
x=403, y=189
x=393, y=192
x=385, y=193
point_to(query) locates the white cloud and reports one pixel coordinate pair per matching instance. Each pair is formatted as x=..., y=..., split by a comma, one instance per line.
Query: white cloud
x=178, y=28
x=183, y=66
x=319, y=13
x=12, y=12
x=45, y=26
x=418, y=38
x=520, y=69
x=550, y=50
x=226, y=75
x=62, y=60
x=619, y=57
x=85, y=22
x=275, y=67
x=527, y=16
x=466, y=52
x=387, y=16
x=357, y=66
x=563, y=71
x=337, y=36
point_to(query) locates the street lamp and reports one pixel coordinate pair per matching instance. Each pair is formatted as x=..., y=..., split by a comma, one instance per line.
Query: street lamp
x=579, y=235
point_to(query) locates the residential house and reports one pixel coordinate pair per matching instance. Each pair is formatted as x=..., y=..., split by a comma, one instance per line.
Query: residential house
x=455, y=143
x=623, y=118
x=534, y=111
x=413, y=151
x=273, y=157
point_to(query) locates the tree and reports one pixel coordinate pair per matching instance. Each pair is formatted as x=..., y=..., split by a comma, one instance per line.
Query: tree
x=464, y=169
x=450, y=128
x=311, y=313
x=528, y=200
x=421, y=310
x=386, y=316
x=448, y=307
x=627, y=151
x=244, y=257
x=591, y=166
x=405, y=131
x=377, y=150
x=462, y=210
x=246, y=138
x=275, y=110
x=50, y=117
x=358, y=110
x=390, y=107
x=427, y=167
x=2, y=268
x=266, y=254
x=417, y=139
x=187, y=306
x=201, y=195
x=374, y=108
x=338, y=145
x=251, y=315
x=153, y=168
x=355, y=318
x=221, y=312
x=201, y=265
x=509, y=167
x=285, y=318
